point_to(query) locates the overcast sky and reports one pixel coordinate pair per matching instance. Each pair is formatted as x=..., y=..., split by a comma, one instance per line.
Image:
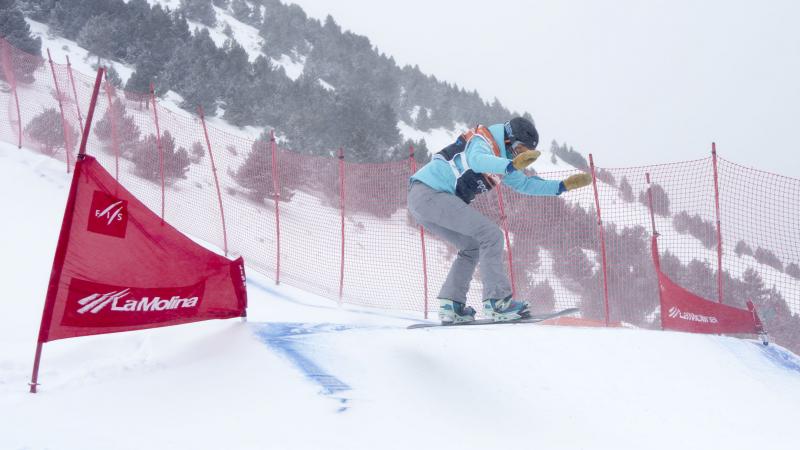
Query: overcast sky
x=633, y=82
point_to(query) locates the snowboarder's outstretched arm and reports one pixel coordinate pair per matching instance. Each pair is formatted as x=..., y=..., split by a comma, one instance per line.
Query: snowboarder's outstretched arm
x=532, y=185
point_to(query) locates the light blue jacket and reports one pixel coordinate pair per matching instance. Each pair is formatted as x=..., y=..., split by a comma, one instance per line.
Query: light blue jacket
x=438, y=174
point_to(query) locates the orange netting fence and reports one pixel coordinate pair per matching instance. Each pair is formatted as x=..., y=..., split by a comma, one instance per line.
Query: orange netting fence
x=340, y=229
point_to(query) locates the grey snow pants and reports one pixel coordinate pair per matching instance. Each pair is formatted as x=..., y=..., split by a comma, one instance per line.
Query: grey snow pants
x=476, y=237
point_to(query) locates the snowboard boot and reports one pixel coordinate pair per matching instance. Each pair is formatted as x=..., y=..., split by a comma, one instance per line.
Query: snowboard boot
x=451, y=312
x=501, y=310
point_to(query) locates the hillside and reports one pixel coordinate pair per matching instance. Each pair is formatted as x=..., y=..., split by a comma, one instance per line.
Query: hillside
x=305, y=373
x=251, y=61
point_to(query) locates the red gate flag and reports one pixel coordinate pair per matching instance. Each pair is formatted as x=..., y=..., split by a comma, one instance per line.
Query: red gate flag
x=682, y=310
x=119, y=267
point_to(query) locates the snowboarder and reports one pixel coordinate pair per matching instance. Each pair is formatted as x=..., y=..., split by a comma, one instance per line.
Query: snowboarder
x=439, y=196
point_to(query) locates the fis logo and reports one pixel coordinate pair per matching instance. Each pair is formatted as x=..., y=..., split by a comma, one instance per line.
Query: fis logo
x=108, y=215
x=112, y=213
x=675, y=313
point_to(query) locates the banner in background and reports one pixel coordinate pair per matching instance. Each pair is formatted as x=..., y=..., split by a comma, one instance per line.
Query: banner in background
x=682, y=310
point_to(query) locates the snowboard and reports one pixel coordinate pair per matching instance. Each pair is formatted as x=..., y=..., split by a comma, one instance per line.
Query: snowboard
x=532, y=319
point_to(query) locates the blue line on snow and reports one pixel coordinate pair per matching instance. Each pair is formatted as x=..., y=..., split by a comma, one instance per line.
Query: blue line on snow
x=780, y=357
x=281, y=337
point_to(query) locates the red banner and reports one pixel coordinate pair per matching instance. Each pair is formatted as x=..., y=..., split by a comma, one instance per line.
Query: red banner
x=119, y=267
x=682, y=310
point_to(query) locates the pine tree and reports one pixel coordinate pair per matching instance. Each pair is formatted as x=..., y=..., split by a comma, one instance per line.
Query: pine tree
x=16, y=30
x=606, y=176
x=752, y=287
x=256, y=173
x=197, y=153
x=793, y=270
x=769, y=258
x=423, y=122
x=193, y=73
x=199, y=10
x=743, y=249
x=100, y=36
x=38, y=10
x=147, y=159
x=127, y=131
x=625, y=190
x=46, y=128
x=660, y=200
x=240, y=10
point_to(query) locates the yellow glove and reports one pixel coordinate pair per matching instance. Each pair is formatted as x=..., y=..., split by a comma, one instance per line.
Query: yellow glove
x=578, y=180
x=525, y=159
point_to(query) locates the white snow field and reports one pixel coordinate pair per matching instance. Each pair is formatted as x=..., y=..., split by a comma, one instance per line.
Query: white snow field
x=304, y=373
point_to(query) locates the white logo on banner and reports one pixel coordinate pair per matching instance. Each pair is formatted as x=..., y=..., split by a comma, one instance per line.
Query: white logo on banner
x=676, y=313
x=96, y=302
x=109, y=214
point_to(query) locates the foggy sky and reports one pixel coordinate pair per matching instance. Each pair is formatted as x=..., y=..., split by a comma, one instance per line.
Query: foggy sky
x=632, y=82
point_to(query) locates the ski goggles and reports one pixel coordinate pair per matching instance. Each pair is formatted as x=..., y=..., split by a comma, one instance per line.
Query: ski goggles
x=518, y=146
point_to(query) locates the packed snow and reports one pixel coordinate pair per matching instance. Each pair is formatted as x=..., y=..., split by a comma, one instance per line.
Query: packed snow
x=304, y=372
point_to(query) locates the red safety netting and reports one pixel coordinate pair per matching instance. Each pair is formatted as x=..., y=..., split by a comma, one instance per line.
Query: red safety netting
x=341, y=229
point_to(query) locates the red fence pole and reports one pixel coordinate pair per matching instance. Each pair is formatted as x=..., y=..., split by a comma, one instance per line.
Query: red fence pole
x=504, y=221
x=650, y=204
x=92, y=104
x=719, y=228
x=654, y=240
x=602, y=235
x=160, y=148
x=276, y=187
x=216, y=179
x=413, y=163
x=74, y=93
x=12, y=80
x=61, y=248
x=64, y=126
x=341, y=203
x=114, y=133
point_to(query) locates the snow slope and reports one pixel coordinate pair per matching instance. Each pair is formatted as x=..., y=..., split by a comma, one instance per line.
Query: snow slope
x=304, y=373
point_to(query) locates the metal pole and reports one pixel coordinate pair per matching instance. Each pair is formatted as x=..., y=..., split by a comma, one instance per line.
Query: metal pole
x=504, y=222
x=63, y=241
x=341, y=203
x=216, y=179
x=719, y=227
x=160, y=149
x=89, y=116
x=602, y=234
x=654, y=245
x=64, y=126
x=276, y=186
x=413, y=163
x=74, y=93
x=114, y=133
x=650, y=205
x=9, y=68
